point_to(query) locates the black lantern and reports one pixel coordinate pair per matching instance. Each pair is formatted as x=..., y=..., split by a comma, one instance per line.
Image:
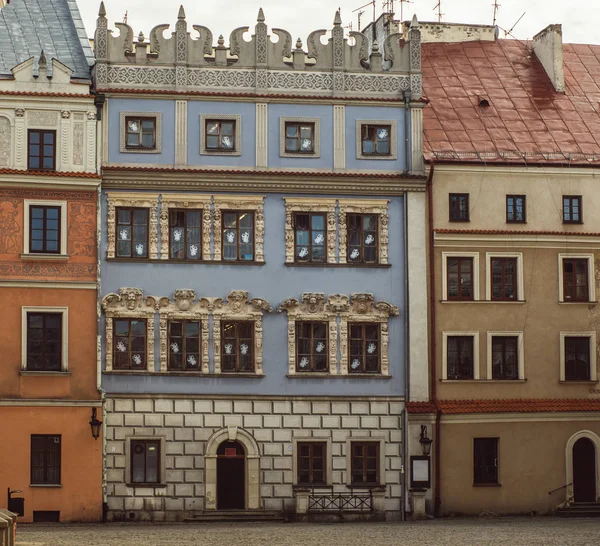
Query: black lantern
x=425, y=441
x=95, y=424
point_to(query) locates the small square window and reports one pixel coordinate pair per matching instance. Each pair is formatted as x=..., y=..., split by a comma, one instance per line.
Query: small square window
x=185, y=234
x=45, y=459
x=310, y=230
x=485, y=461
x=460, y=357
x=376, y=139
x=312, y=462
x=237, y=346
x=577, y=358
x=572, y=209
x=220, y=135
x=363, y=238
x=129, y=344
x=184, y=345
x=140, y=133
x=516, y=209
x=299, y=137
x=364, y=348
x=460, y=278
x=44, y=229
x=145, y=461
x=311, y=347
x=238, y=236
x=459, y=207
x=132, y=232
x=364, y=463
x=44, y=342
x=41, y=150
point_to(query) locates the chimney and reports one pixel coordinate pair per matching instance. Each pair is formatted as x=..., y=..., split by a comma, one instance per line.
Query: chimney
x=548, y=48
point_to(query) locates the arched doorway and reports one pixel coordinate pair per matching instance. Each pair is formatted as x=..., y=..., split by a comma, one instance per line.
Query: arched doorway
x=231, y=476
x=584, y=471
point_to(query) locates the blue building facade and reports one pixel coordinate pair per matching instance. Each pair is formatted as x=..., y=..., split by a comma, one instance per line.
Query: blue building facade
x=259, y=211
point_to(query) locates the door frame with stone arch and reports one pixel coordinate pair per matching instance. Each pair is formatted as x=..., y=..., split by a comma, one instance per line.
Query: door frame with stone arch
x=595, y=439
x=234, y=434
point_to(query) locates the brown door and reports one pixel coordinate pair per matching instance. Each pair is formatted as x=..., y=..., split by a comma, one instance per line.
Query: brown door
x=584, y=470
x=231, y=476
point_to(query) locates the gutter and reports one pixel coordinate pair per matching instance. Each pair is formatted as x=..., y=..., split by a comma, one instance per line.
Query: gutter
x=407, y=147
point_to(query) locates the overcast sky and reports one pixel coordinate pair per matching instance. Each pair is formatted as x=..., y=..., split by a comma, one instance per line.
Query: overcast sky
x=580, y=18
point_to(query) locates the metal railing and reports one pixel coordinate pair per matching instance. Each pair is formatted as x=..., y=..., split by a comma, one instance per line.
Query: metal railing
x=559, y=488
x=339, y=502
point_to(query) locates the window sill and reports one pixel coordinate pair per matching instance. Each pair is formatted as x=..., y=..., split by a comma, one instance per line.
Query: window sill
x=578, y=381
x=157, y=485
x=43, y=373
x=184, y=374
x=326, y=265
x=457, y=220
x=487, y=485
x=327, y=375
x=140, y=150
x=39, y=257
x=586, y=302
x=511, y=381
x=48, y=485
x=231, y=153
x=184, y=262
x=484, y=301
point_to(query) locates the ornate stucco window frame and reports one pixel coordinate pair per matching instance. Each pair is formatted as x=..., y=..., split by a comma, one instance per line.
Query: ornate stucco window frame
x=364, y=206
x=134, y=200
x=184, y=307
x=129, y=303
x=27, y=254
x=393, y=155
x=238, y=307
x=123, y=133
x=361, y=308
x=307, y=205
x=251, y=203
x=185, y=202
x=237, y=119
x=312, y=308
x=591, y=336
x=64, y=348
x=316, y=153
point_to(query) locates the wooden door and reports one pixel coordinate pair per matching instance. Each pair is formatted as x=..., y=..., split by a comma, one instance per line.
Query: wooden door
x=584, y=470
x=231, y=476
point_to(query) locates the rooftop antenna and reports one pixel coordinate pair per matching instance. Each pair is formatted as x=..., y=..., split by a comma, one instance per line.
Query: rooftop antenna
x=496, y=7
x=439, y=8
x=125, y=17
x=509, y=32
x=360, y=13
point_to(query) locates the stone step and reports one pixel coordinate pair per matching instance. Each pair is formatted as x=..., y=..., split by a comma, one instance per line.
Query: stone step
x=235, y=515
x=580, y=510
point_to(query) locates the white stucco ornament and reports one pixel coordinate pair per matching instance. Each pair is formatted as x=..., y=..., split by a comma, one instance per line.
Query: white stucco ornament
x=121, y=347
x=133, y=127
x=139, y=249
x=137, y=359
x=306, y=144
x=369, y=239
x=319, y=239
x=228, y=348
x=124, y=234
x=355, y=364
x=174, y=347
x=244, y=349
x=354, y=254
x=193, y=250
x=245, y=237
x=227, y=142
x=191, y=360
x=320, y=347
x=177, y=235
x=230, y=235
x=303, y=252
x=371, y=348
x=303, y=362
x=382, y=134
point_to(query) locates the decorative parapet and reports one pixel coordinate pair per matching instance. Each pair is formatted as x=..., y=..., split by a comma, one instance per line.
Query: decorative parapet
x=190, y=61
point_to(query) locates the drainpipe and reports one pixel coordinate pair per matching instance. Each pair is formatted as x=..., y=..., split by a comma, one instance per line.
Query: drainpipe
x=433, y=352
x=407, y=96
x=406, y=359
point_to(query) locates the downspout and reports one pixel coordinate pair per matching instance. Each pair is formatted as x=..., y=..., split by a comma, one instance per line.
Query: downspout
x=408, y=151
x=406, y=359
x=433, y=345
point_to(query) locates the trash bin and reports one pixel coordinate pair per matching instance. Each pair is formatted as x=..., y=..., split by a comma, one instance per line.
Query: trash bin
x=17, y=505
x=8, y=528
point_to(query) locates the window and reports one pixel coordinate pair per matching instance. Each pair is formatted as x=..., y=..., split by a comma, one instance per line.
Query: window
x=129, y=344
x=362, y=238
x=141, y=132
x=311, y=460
x=364, y=348
x=504, y=278
x=311, y=346
x=238, y=236
x=184, y=345
x=575, y=279
x=375, y=139
x=145, y=461
x=515, y=209
x=577, y=358
x=310, y=237
x=461, y=355
x=505, y=357
x=132, y=232
x=572, y=209
x=44, y=229
x=41, y=150
x=220, y=135
x=299, y=137
x=45, y=459
x=44, y=341
x=185, y=234
x=459, y=207
x=485, y=461
x=459, y=278
x=237, y=343
x=364, y=463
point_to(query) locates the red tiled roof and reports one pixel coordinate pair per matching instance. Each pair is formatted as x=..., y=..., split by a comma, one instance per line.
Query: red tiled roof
x=527, y=121
x=69, y=174
x=515, y=232
x=40, y=94
x=420, y=407
x=518, y=405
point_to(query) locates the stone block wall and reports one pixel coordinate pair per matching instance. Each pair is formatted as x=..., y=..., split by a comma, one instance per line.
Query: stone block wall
x=185, y=425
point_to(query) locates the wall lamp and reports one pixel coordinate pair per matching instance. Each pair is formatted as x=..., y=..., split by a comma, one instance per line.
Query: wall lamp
x=95, y=424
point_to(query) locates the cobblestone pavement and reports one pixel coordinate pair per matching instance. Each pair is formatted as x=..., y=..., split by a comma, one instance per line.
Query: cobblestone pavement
x=463, y=532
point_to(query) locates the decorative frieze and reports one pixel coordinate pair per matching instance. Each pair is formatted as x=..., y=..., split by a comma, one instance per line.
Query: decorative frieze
x=5, y=141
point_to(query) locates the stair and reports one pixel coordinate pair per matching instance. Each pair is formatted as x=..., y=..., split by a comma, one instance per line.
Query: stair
x=220, y=516
x=580, y=510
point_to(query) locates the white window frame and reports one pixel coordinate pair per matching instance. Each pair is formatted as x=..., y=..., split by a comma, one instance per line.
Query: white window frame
x=123, y=133
x=445, y=256
x=488, y=274
x=64, y=311
x=316, y=153
x=591, y=335
x=163, y=467
x=520, y=353
x=393, y=155
x=445, y=336
x=236, y=118
x=328, y=458
x=591, y=277
x=63, y=229
x=381, y=470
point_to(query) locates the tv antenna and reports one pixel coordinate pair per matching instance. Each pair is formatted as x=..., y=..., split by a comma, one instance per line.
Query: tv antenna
x=509, y=32
x=439, y=8
x=496, y=7
x=361, y=13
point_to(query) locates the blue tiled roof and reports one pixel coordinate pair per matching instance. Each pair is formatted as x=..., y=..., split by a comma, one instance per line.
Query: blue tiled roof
x=29, y=26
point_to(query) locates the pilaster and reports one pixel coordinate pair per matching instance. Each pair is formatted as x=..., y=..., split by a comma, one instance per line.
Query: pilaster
x=262, y=135
x=339, y=137
x=181, y=132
